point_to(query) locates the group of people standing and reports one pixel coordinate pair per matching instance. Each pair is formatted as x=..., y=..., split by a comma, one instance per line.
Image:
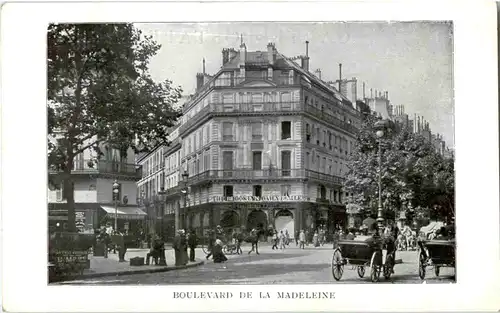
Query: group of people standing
x=281, y=240
x=305, y=238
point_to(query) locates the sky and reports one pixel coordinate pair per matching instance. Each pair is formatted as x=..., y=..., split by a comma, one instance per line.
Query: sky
x=413, y=61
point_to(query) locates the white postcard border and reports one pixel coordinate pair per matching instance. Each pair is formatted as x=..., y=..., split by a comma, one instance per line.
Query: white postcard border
x=24, y=192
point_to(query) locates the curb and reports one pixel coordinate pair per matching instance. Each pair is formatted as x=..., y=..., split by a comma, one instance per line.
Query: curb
x=145, y=271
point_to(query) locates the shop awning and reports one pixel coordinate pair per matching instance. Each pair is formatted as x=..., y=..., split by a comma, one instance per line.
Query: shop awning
x=127, y=213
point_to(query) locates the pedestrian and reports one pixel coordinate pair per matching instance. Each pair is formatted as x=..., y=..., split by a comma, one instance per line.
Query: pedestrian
x=302, y=239
x=192, y=243
x=297, y=238
x=177, y=248
x=275, y=240
x=219, y=256
x=184, y=247
x=282, y=240
x=239, y=241
x=211, y=243
x=254, y=239
x=315, y=239
x=287, y=237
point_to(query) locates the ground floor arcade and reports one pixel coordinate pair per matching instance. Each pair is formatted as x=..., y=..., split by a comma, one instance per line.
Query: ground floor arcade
x=290, y=216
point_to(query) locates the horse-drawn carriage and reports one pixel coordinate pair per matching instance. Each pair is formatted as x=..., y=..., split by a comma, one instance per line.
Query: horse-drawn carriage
x=360, y=253
x=437, y=254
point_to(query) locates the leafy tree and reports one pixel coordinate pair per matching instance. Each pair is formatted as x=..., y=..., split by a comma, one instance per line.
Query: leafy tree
x=411, y=172
x=100, y=93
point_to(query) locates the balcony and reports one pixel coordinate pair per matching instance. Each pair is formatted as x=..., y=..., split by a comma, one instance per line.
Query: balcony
x=264, y=174
x=234, y=108
x=105, y=167
x=322, y=115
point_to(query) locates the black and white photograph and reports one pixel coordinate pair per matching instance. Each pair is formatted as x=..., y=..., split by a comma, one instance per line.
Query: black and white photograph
x=250, y=156
x=251, y=153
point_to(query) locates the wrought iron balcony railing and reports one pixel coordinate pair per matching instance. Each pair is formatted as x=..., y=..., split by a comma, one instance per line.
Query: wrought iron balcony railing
x=103, y=166
x=266, y=107
x=263, y=174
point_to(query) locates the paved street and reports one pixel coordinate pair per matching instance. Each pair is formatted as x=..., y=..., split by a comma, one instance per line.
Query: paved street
x=292, y=266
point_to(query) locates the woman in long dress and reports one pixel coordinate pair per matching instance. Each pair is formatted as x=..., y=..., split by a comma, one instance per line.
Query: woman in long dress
x=316, y=239
x=218, y=255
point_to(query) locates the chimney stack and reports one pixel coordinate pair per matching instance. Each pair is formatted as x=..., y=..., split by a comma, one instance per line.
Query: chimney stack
x=354, y=90
x=371, y=93
x=270, y=53
x=305, y=60
x=225, y=56
x=318, y=71
x=340, y=77
x=203, y=66
x=199, y=81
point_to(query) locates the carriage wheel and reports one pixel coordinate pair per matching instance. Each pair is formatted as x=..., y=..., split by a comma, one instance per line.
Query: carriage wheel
x=421, y=266
x=389, y=264
x=224, y=249
x=337, y=265
x=361, y=271
x=375, y=267
x=436, y=271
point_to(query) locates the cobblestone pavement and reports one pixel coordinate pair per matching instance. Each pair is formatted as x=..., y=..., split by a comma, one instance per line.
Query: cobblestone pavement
x=291, y=266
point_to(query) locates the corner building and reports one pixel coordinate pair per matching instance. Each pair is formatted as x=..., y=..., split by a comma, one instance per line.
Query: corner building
x=264, y=144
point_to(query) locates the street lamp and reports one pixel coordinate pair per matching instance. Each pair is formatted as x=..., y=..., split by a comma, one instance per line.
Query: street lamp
x=161, y=193
x=380, y=127
x=116, y=190
x=184, y=191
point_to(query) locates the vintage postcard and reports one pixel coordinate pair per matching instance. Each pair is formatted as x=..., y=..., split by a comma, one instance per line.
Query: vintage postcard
x=254, y=160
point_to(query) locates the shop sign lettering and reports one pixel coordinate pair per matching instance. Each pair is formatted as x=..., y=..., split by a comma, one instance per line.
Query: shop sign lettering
x=259, y=199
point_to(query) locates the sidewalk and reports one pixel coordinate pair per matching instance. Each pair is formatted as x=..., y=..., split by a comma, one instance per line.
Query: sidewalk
x=100, y=266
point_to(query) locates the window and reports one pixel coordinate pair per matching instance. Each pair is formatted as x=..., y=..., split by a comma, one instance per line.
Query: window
x=257, y=191
x=323, y=166
x=227, y=163
x=227, y=131
x=330, y=140
x=257, y=160
x=228, y=191
x=318, y=134
x=307, y=160
x=206, y=161
x=335, y=195
x=306, y=99
x=286, y=130
x=324, y=138
x=322, y=192
x=308, y=132
x=256, y=131
x=286, y=162
x=317, y=162
x=286, y=190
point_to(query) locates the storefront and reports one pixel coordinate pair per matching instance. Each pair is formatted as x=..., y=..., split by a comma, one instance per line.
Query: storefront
x=130, y=219
x=86, y=216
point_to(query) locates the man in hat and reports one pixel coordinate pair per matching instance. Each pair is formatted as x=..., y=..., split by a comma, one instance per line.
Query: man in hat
x=192, y=243
x=178, y=248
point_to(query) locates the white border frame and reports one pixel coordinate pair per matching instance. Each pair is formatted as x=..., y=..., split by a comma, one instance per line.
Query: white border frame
x=24, y=274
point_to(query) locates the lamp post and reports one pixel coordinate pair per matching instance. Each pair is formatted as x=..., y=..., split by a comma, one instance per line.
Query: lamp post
x=161, y=193
x=116, y=190
x=184, y=191
x=380, y=127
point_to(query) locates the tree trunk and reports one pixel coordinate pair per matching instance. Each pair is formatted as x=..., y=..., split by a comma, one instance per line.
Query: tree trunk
x=69, y=192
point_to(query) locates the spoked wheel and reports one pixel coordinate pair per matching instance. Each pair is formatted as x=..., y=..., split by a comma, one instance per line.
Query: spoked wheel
x=436, y=271
x=421, y=266
x=361, y=271
x=225, y=249
x=389, y=264
x=337, y=265
x=375, y=267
